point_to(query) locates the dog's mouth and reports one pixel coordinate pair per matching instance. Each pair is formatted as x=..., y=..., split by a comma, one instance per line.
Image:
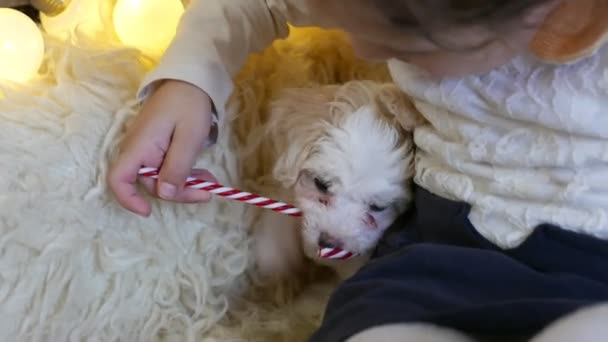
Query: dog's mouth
x=331, y=248
x=334, y=253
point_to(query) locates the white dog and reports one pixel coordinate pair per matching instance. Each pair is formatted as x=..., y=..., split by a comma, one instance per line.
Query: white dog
x=342, y=154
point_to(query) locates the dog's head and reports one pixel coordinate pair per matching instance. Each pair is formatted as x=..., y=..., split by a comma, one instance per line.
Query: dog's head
x=348, y=158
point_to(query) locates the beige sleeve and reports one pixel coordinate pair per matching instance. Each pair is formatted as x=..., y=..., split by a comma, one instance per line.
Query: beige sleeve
x=214, y=39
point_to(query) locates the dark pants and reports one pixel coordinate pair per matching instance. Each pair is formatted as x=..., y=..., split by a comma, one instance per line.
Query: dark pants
x=433, y=267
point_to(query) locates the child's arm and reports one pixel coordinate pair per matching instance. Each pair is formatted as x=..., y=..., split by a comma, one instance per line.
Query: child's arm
x=214, y=40
x=192, y=80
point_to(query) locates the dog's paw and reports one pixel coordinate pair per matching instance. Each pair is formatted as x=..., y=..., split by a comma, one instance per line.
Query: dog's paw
x=277, y=247
x=274, y=261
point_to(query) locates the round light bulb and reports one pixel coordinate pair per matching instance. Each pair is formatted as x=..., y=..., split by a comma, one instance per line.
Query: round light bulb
x=21, y=46
x=148, y=25
x=83, y=16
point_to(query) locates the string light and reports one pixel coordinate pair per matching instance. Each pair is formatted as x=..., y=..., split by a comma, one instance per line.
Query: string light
x=82, y=16
x=148, y=25
x=21, y=46
x=50, y=7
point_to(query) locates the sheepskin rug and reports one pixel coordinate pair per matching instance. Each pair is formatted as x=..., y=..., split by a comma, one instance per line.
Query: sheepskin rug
x=74, y=266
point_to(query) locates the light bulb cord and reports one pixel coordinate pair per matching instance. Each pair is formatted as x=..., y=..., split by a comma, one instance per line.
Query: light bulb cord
x=48, y=7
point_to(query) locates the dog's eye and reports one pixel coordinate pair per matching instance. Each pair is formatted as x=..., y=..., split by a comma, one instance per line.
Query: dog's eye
x=376, y=208
x=321, y=185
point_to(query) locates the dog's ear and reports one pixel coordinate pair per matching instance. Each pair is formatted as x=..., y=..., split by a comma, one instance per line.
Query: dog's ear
x=395, y=104
x=300, y=118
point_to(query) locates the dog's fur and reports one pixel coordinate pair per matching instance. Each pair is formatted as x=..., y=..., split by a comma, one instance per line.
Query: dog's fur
x=344, y=155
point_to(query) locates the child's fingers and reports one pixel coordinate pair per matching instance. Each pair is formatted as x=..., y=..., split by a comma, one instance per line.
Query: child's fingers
x=185, y=146
x=145, y=146
x=187, y=195
x=122, y=179
x=203, y=175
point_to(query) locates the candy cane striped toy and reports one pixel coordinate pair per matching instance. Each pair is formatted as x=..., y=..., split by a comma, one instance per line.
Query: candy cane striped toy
x=334, y=253
x=231, y=193
x=250, y=198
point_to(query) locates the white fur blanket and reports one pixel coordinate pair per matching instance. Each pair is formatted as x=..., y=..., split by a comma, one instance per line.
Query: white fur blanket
x=73, y=265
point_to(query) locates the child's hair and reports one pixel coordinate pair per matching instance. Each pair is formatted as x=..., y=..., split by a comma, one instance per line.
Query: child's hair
x=420, y=13
x=430, y=16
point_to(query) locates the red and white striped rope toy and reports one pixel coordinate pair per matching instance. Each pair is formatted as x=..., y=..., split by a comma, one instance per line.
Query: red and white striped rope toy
x=254, y=199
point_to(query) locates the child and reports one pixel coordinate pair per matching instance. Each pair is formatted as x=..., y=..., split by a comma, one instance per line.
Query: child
x=510, y=227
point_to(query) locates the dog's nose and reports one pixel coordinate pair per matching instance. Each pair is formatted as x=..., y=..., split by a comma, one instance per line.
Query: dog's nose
x=327, y=241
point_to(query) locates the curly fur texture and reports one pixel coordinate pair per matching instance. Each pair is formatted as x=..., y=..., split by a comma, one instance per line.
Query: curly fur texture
x=344, y=155
x=309, y=64
x=74, y=266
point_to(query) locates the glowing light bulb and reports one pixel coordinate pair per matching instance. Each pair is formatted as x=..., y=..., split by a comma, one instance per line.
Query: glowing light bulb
x=21, y=46
x=82, y=16
x=148, y=25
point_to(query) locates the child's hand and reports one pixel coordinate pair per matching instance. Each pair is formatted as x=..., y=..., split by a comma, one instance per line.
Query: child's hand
x=170, y=130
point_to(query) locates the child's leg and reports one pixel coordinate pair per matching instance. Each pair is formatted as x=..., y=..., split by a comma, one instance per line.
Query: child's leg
x=409, y=332
x=587, y=325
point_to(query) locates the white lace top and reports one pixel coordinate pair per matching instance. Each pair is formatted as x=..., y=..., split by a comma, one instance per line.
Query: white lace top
x=524, y=145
